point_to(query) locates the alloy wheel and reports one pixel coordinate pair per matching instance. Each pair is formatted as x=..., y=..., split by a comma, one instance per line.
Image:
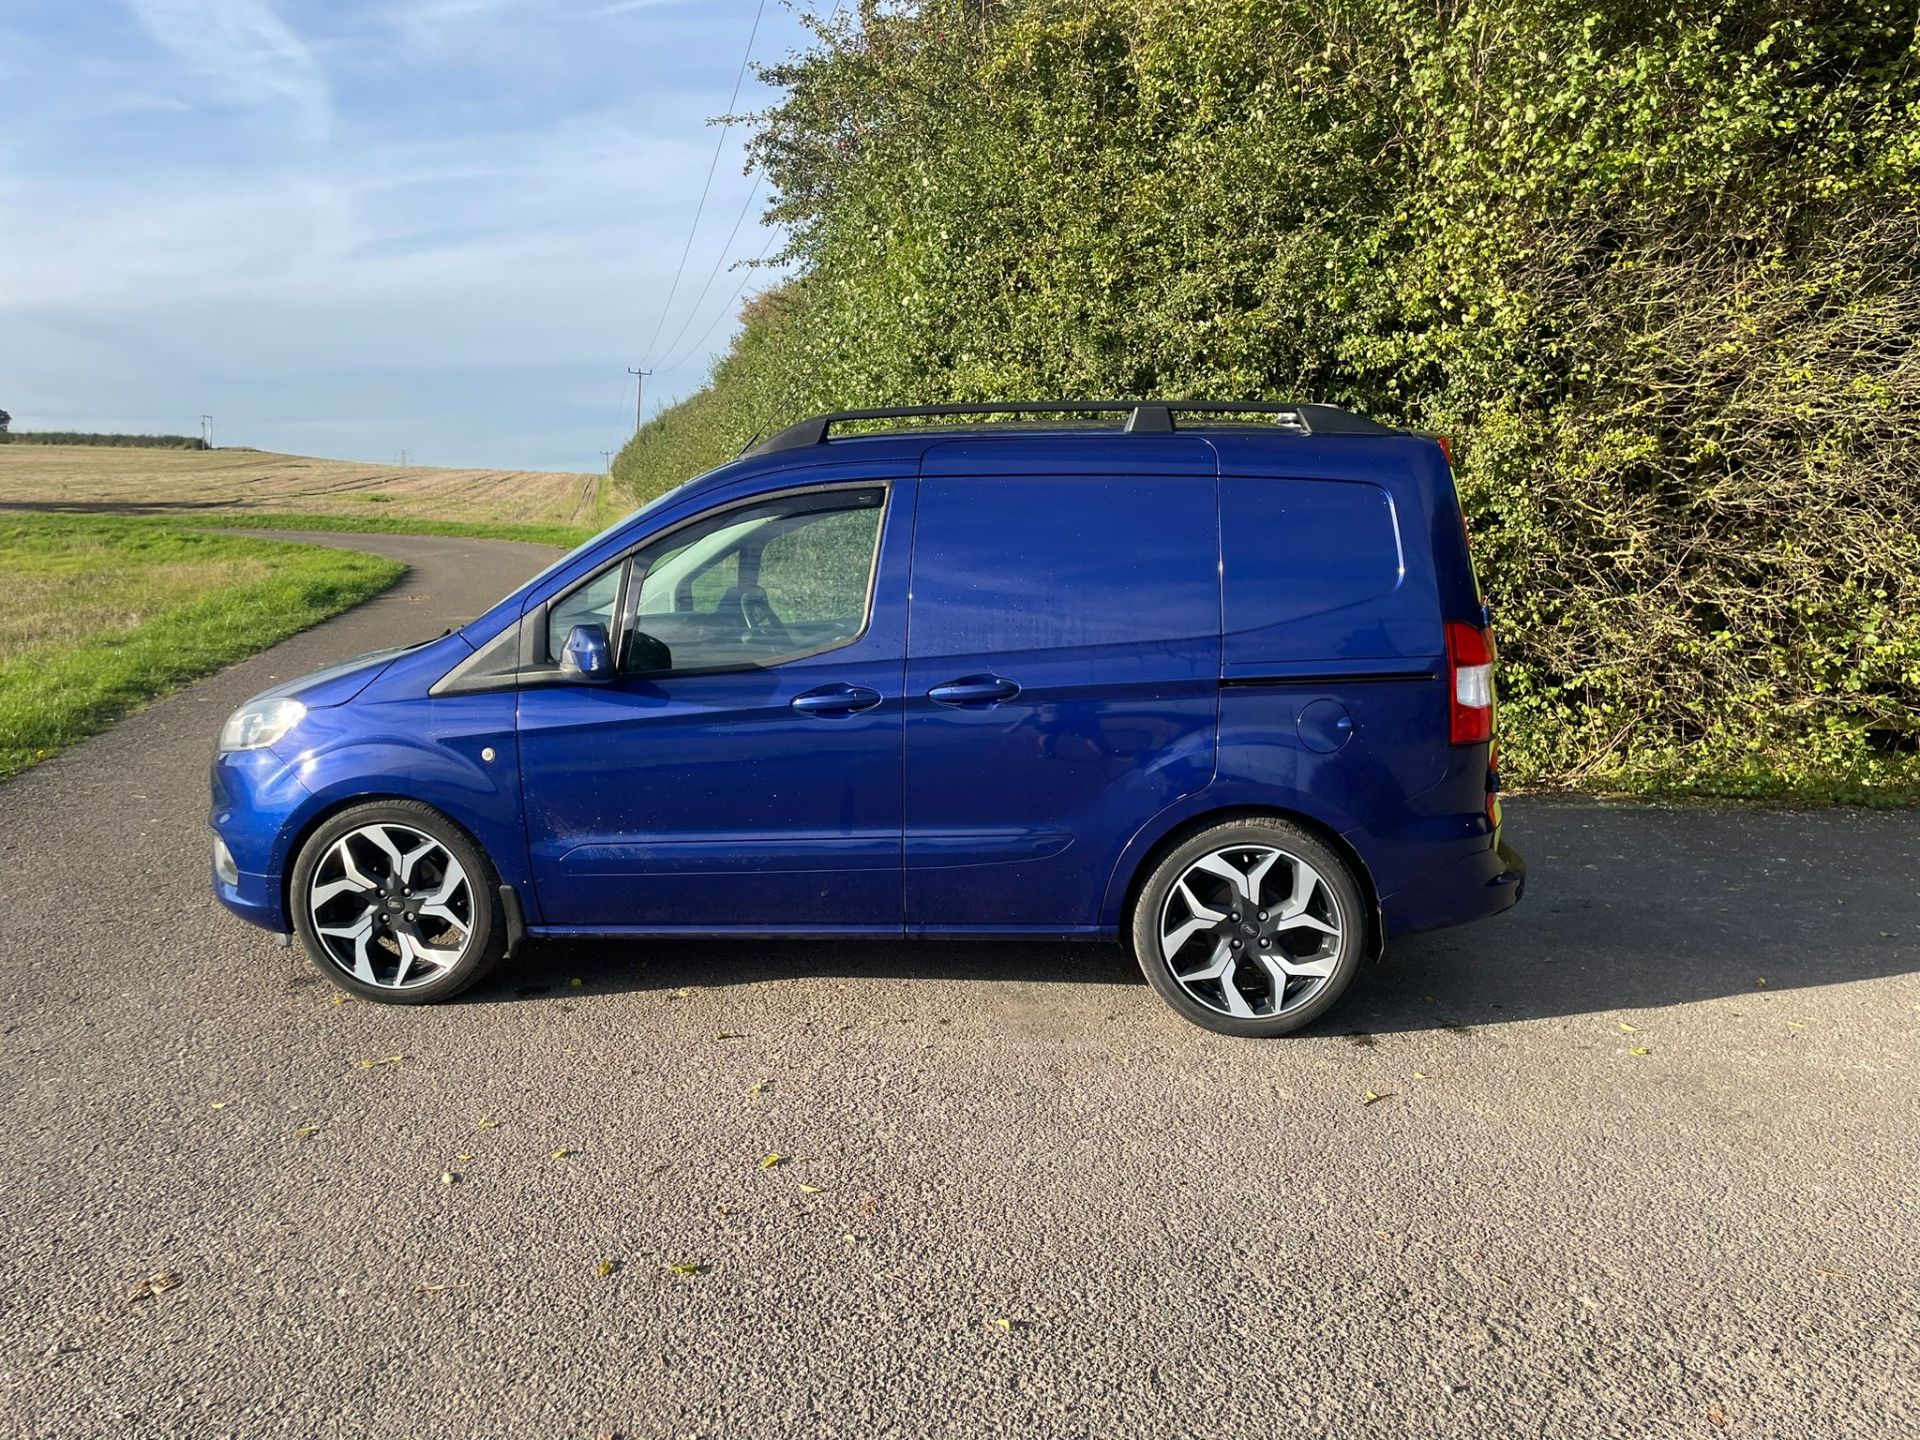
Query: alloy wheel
x=1251, y=931
x=392, y=906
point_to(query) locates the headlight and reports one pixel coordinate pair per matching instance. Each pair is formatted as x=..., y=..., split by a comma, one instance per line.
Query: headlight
x=259, y=723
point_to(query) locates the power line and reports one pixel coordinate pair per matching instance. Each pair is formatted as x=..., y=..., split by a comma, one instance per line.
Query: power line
x=719, y=261
x=714, y=165
x=726, y=309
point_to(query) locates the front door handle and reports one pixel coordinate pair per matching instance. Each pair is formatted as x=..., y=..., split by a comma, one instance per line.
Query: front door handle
x=830, y=700
x=980, y=690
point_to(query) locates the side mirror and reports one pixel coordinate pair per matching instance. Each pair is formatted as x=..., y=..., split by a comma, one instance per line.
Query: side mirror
x=588, y=657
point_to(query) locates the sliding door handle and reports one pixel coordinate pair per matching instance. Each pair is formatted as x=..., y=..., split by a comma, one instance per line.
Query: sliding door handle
x=983, y=691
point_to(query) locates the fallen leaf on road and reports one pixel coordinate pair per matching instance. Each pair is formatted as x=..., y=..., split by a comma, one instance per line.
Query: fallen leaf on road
x=1716, y=1417
x=1418, y=1076
x=155, y=1284
x=1371, y=1098
x=303, y=1131
x=681, y=994
x=761, y=1087
x=562, y=1154
x=1760, y=983
x=606, y=1267
x=486, y=1122
x=1835, y=1274
x=728, y=1035
x=1008, y=1324
x=1639, y=1050
x=575, y=983
x=1629, y=1029
x=463, y=1159
x=447, y=1177
x=1795, y=1025
x=340, y=999
x=810, y=1189
x=383, y=1060
x=687, y=1267
x=221, y=1104
x=771, y=1161
x=432, y=1289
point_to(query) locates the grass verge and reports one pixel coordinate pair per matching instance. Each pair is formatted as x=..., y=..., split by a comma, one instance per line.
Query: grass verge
x=101, y=615
x=566, y=536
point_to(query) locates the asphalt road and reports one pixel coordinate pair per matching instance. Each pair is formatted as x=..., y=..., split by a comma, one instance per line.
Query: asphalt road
x=1615, y=1185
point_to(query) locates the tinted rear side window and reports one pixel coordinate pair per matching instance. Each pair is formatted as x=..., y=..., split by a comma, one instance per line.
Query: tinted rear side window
x=1031, y=563
x=1315, y=570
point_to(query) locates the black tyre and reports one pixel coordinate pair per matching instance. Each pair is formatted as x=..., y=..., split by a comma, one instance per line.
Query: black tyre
x=1251, y=928
x=395, y=903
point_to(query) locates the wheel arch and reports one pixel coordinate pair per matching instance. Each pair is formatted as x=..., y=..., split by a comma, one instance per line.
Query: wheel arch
x=1134, y=872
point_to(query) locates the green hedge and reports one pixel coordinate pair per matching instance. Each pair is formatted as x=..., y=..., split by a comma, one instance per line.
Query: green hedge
x=1652, y=268
x=84, y=437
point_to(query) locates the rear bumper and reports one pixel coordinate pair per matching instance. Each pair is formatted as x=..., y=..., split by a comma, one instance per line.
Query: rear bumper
x=1470, y=888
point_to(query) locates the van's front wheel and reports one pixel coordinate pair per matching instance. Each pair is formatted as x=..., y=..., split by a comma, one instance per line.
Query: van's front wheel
x=394, y=903
x=1251, y=928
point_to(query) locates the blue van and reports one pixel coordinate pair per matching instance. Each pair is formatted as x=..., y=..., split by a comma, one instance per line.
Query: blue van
x=1213, y=680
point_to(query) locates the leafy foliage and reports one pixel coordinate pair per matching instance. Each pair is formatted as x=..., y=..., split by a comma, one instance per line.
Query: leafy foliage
x=84, y=437
x=1652, y=268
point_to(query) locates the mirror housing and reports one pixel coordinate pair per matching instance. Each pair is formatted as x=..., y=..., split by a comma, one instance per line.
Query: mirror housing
x=588, y=658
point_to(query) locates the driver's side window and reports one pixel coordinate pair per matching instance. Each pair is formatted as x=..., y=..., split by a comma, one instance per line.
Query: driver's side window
x=749, y=587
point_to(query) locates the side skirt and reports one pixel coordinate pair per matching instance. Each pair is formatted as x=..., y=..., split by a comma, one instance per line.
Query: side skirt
x=811, y=932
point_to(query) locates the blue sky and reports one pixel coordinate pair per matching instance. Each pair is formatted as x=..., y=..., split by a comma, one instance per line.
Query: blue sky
x=353, y=227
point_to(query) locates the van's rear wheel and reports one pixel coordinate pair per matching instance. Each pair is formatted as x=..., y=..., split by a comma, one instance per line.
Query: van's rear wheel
x=1251, y=928
x=394, y=903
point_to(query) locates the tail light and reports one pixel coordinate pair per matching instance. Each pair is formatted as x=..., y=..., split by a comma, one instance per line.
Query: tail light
x=1469, y=684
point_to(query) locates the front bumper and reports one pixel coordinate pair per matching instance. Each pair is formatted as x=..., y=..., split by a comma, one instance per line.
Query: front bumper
x=254, y=898
x=256, y=798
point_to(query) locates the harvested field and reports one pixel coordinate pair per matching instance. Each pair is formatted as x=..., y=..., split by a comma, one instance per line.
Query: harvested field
x=135, y=481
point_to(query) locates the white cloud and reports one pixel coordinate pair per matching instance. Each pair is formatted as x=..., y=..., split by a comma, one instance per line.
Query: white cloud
x=245, y=53
x=465, y=268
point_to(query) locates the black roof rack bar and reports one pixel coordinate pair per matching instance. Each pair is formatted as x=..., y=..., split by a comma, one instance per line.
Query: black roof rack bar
x=1144, y=417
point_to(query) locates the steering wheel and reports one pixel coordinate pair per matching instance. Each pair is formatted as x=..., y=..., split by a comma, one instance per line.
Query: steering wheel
x=756, y=613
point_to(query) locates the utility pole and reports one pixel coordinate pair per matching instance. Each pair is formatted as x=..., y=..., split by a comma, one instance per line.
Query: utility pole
x=639, y=395
x=206, y=431
x=608, y=454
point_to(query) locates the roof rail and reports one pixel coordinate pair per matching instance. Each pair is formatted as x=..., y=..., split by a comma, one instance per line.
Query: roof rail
x=1144, y=417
